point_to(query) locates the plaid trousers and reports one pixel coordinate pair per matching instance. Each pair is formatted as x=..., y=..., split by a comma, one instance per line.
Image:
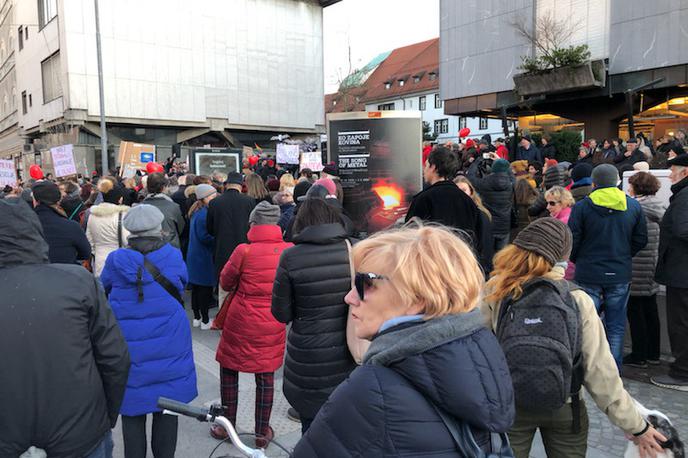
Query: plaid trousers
x=229, y=392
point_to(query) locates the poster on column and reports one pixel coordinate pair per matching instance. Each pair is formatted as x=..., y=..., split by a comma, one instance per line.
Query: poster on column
x=63, y=160
x=379, y=159
x=8, y=174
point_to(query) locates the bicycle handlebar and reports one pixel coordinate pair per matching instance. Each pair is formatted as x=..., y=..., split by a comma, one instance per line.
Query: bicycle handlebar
x=198, y=413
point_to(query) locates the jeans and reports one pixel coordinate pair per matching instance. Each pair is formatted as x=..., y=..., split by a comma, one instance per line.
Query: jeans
x=163, y=442
x=104, y=449
x=611, y=300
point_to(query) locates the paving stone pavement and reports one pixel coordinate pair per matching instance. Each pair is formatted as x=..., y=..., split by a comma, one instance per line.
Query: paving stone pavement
x=604, y=440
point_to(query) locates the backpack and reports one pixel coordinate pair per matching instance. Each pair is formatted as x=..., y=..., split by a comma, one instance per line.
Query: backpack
x=540, y=334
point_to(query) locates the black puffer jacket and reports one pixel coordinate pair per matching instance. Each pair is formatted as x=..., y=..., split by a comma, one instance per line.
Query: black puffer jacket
x=672, y=265
x=497, y=192
x=65, y=362
x=312, y=279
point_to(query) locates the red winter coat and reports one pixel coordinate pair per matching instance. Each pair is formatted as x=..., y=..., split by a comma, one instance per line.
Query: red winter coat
x=252, y=339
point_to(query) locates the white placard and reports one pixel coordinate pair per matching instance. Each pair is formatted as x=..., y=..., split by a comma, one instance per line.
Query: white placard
x=8, y=175
x=287, y=154
x=63, y=160
x=312, y=161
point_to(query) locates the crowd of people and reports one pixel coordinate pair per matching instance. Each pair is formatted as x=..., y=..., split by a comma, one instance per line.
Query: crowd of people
x=392, y=342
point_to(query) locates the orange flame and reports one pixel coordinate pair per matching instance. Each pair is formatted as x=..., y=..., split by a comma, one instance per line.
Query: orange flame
x=390, y=193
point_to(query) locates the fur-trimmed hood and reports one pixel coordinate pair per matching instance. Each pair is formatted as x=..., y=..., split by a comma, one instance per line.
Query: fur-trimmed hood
x=108, y=209
x=189, y=190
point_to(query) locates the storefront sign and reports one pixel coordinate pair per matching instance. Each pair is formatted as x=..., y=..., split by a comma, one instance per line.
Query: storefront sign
x=206, y=161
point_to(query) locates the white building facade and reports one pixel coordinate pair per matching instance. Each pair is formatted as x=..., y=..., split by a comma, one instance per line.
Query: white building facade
x=173, y=70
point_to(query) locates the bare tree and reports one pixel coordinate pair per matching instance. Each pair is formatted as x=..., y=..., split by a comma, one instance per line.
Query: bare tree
x=548, y=33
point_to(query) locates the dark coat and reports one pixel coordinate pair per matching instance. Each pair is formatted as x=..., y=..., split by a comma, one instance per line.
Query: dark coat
x=549, y=151
x=645, y=262
x=286, y=216
x=672, y=266
x=312, y=279
x=532, y=154
x=497, y=192
x=174, y=222
x=73, y=207
x=180, y=199
x=155, y=326
x=228, y=223
x=621, y=161
x=386, y=407
x=68, y=243
x=445, y=203
x=65, y=362
x=199, y=258
x=605, y=241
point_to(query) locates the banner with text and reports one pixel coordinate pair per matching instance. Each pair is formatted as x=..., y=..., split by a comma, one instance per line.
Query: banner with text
x=63, y=160
x=312, y=161
x=287, y=154
x=8, y=175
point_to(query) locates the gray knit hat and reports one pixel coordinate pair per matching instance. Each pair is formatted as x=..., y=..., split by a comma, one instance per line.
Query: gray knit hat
x=144, y=220
x=547, y=237
x=605, y=176
x=204, y=190
x=264, y=213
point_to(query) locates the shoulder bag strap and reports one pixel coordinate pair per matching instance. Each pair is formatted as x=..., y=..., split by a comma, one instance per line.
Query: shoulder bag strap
x=119, y=230
x=162, y=281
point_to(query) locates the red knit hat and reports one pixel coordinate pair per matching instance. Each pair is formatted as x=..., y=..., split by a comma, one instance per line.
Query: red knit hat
x=470, y=143
x=551, y=162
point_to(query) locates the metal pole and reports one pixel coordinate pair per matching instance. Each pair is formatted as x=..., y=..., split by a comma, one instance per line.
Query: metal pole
x=103, y=128
x=629, y=108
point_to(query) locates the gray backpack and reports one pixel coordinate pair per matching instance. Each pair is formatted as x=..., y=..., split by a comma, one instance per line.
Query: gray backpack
x=540, y=334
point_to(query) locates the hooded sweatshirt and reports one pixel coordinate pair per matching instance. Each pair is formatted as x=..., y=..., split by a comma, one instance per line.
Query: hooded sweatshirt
x=608, y=230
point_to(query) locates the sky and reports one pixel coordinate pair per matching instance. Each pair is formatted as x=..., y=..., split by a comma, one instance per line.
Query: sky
x=371, y=27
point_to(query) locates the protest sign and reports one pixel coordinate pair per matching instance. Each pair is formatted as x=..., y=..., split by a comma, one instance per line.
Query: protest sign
x=134, y=156
x=8, y=175
x=287, y=154
x=312, y=161
x=63, y=160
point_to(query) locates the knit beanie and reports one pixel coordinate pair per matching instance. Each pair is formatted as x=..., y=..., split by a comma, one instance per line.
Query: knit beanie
x=551, y=163
x=144, y=220
x=605, y=176
x=264, y=213
x=204, y=190
x=641, y=166
x=580, y=171
x=500, y=166
x=46, y=192
x=301, y=188
x=547, y=237
x=328, y=184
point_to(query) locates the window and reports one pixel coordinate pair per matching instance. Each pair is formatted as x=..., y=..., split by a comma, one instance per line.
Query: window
x=26, y=33
x=20, y=34
x=30, y=101
x=416, y=79
x=388, y=84
x=334, y=103
x=408, y=104
x=483, y=123
x=421, y=103
x=386, y=107
x=462, y=122
x=438, y=101
x=24, y=107
x=433, y=76
x=47, y=10
x=52, y=84
x=401, y=83
x=441, y=126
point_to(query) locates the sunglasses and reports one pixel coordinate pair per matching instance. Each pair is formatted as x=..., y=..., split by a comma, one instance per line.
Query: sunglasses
x=363, y=280
x=551, y=203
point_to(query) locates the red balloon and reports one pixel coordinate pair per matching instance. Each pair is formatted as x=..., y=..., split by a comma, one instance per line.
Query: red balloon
x=36, y=172
x=154, y=167
x=465, y=132
x=253, y=160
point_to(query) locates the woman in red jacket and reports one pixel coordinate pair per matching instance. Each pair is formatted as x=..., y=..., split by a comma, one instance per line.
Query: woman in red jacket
x=252, y=339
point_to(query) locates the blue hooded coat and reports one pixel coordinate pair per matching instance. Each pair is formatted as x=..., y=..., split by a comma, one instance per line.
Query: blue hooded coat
x=156, y=329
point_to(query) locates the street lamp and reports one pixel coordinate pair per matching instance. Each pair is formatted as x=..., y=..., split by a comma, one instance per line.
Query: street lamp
x=103, y=129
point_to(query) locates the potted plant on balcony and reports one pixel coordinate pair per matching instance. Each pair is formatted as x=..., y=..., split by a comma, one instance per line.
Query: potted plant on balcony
x=556, y=67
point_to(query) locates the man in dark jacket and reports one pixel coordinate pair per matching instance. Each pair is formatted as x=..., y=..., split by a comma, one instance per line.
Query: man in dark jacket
x=608, y=229
x=529, y=152
x=672, y=271
x=631, y=156
x=228, y=220
x=179, y=197
x=443, y=202
x=497, y=191
x=65, y=363
x=68, y=243
x=174, y=222
x=549, y=151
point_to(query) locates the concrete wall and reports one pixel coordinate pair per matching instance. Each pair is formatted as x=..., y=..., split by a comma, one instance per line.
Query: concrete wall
x=479, y=50
x=647, y=34
x=249, y=62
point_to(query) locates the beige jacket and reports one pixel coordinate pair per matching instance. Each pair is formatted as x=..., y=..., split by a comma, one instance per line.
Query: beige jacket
x=601, y=377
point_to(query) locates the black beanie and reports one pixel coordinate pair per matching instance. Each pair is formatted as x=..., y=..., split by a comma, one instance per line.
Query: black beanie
x=580, y=171
x=46, y=192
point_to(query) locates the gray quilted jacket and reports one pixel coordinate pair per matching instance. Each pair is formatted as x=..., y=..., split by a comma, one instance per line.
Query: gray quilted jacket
x=645, y=261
